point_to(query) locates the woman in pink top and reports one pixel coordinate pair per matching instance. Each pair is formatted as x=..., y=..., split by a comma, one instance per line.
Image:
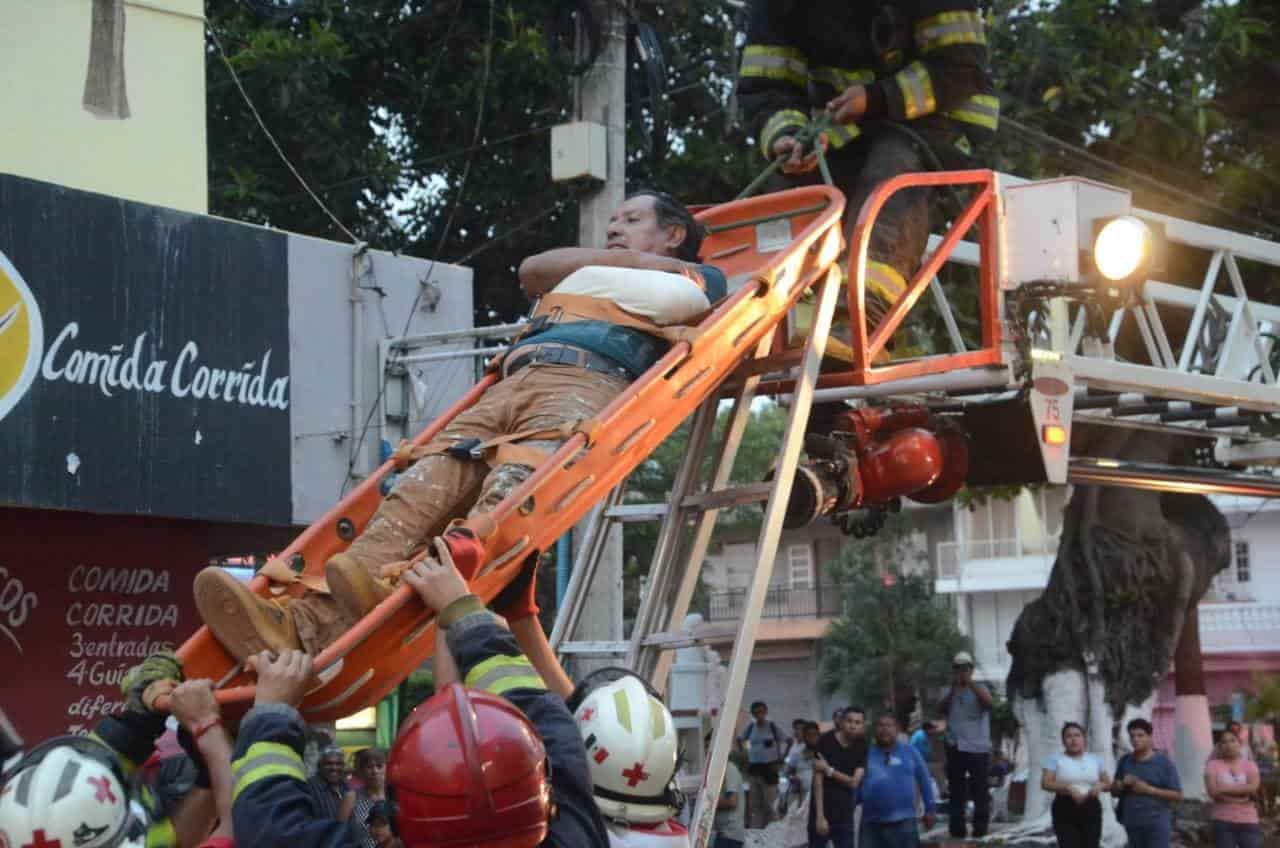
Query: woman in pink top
x=1233, y=782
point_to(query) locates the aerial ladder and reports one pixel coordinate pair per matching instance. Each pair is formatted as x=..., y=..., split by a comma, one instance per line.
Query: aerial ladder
x=1044, y=358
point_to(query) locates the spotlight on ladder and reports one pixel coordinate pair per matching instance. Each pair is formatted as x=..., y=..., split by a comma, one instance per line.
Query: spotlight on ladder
x=1126, y=248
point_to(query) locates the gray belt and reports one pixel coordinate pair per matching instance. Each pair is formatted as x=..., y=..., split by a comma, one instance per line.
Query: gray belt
x=561, y=354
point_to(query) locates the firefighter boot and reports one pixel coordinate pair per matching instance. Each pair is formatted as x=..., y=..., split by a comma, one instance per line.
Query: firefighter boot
x=353, y=586
x=243, y=622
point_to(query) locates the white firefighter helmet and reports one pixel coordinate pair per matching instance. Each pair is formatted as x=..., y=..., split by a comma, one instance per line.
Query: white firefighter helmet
x=69, y=791
x=631, y=749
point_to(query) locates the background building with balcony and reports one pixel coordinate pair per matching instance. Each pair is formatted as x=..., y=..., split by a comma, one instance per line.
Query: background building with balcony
x=801, y=602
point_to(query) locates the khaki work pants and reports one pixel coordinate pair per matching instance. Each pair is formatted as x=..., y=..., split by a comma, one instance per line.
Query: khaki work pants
x=439, y=488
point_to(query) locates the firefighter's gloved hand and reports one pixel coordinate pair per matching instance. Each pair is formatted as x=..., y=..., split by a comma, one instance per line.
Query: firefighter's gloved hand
x=519, y=599
x=155, y=676
x=795, y=159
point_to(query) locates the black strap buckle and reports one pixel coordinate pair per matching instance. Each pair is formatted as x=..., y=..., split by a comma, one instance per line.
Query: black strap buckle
x=466, y=449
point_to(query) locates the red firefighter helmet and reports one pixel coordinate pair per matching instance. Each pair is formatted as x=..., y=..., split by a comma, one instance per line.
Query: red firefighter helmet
x=469, y=769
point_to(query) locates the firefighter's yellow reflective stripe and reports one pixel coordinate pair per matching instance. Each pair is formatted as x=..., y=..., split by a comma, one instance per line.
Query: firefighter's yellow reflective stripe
x=780, y=63
x=842, y=78
x=501, y=673
x=622, y=710
x=917, y=91
x=841, y=134
x=949, y=28
x=785, y=120
x=263, y=760
x=885, y=281
x=162, y=835
x=981, y=110
x=657, y=714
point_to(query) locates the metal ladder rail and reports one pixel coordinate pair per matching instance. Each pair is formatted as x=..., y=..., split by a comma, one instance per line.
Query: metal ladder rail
x=766, y=552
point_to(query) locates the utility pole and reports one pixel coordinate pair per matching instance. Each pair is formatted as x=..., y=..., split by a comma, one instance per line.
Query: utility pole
x=601, y=97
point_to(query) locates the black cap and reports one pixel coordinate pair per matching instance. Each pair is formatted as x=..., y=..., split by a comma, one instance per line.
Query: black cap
x=384, y=810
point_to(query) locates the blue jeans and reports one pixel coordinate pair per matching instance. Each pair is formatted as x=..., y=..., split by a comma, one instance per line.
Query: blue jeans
x=896, y=834
x=1232, y=835
x=841, y=836
x=1157, y=834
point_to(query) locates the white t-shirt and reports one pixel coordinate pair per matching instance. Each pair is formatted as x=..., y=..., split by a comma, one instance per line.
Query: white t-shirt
x=801, y=760
x=1080, y=773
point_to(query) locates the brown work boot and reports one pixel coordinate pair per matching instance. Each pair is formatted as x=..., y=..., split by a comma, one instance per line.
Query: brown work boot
x=353, y=586
x=243, y=622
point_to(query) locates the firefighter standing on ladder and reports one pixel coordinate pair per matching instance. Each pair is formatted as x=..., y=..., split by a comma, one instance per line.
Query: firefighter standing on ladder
x=907, y=88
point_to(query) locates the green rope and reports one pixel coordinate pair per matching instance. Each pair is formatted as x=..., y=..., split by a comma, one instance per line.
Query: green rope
x=808, y=138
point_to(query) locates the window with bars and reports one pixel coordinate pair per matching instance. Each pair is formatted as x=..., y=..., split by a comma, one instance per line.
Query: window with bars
x=1244, y=571
x=800, y=566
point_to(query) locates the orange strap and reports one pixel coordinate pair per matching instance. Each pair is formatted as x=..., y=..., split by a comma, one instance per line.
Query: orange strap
x=567, y=308
x=278, y=571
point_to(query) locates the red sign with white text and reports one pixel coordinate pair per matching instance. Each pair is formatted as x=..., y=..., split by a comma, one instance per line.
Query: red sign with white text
x=85, y=597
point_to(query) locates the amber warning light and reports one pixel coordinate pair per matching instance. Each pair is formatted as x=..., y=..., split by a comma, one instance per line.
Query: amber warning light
x=1054, y=434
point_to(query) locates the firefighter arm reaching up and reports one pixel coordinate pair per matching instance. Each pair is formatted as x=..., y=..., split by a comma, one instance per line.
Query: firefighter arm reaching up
x=487, y=657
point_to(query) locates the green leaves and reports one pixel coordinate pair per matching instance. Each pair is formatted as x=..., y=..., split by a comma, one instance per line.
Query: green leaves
x=895, y=640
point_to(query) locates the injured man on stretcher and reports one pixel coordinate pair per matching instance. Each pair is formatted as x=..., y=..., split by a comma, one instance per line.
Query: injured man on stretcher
x=603, y=317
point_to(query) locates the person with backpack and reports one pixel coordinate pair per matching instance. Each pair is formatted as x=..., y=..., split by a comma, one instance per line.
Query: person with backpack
x=762, y=740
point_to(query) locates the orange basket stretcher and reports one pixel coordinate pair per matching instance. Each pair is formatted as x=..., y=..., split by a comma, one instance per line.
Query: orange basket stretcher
x=770, y=274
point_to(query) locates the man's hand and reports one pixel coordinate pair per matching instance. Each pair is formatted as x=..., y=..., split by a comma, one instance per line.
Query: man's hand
x=857, y=776
x=193, y=703
x=795, y=161
x=820, y=825
x=929, y=821
x=436, y=579
x=282, y=680
x=849, y=106
x=1078, y=796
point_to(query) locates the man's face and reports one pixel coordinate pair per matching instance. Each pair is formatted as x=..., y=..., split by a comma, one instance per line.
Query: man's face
x=854, y=724
x=759, y=713
x=331, y=768
x=962, y=674
x=811, y=737
x=1140, y=740
x=634, y=226
x=886, y=730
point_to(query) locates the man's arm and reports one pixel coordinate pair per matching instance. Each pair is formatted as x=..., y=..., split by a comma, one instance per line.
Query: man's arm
x=944, y=706
x=923, y=780
x=983, y=694
x=544, y=271
x=819, y=811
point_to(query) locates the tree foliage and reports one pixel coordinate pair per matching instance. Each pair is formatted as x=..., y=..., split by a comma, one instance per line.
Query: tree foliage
x=895, y=639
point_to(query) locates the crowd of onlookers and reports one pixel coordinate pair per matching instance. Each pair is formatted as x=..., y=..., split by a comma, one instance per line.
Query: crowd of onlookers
x=872, y=784
x=356, y=795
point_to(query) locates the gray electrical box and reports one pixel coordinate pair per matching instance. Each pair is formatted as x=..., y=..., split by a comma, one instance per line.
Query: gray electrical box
x=579, y=152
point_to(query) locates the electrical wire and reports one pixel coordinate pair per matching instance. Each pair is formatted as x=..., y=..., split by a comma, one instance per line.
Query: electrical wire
x=1154, y=182
x=481, y=101
x=217, y=42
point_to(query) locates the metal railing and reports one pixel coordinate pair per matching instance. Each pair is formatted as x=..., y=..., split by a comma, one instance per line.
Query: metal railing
x=822, y=601
x=1239, y=625
x=951, y=556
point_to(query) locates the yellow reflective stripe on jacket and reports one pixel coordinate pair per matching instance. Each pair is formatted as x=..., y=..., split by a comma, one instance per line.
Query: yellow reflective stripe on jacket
x=780, y=63
x=263, y=760
x=501, y=673
x=162, y=834
x=981, y=110
x=842, y=78
x=841, y=134
x=785, y=120
x=917, y=91
x=949, y=28
x=885, y=281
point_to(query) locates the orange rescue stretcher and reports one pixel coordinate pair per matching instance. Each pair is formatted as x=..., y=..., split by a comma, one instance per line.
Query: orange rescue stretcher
x=767, y=275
